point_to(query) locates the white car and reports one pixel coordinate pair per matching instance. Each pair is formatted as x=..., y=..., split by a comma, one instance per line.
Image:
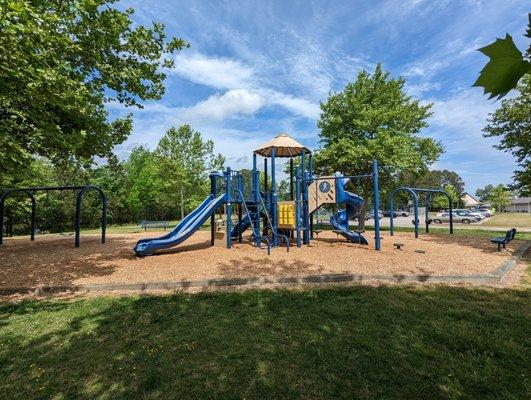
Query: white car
x=463, y=212
x=463, y=218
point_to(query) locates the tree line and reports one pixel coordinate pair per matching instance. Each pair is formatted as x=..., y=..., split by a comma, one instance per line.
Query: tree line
x=160, y=184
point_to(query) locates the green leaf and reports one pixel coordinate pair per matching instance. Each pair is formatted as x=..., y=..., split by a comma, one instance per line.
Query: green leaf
x=505, y=68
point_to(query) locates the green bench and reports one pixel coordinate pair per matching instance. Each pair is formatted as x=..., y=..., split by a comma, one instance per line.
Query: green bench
x=153, y=224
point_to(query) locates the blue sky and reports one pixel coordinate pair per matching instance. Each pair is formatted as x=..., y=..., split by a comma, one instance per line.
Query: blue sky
x=257, y=68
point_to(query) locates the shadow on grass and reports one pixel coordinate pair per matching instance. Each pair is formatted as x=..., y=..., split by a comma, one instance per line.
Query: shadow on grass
x=361, y=342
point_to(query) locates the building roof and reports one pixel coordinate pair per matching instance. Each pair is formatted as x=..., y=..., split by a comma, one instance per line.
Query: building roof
x=521, y=200
x=284, y=145
x=465, y=195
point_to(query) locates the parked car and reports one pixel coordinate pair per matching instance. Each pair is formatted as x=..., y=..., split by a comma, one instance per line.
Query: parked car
x=388, y=213
x=396, y=213
x=487, y=212
x=463, y=212
x=370, y=215
x=463, y=218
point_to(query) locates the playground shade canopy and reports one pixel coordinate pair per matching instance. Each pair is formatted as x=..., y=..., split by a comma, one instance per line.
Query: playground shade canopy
x=284, y=145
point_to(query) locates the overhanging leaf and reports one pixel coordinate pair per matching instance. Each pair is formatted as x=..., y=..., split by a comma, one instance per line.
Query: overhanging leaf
x=505, y=68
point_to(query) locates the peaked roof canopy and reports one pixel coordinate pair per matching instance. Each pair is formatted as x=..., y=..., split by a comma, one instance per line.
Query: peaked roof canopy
x=284, y=145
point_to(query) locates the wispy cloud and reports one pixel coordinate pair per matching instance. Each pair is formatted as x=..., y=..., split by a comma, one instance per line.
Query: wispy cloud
x=256, y=68
x=217, y=72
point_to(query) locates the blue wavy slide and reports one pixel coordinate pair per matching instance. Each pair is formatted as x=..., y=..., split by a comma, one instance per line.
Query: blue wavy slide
x=353, y=204
x=191, y=223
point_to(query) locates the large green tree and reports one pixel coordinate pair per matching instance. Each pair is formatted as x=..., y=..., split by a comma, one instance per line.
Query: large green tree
x=185, y=159
x=144, y=185
x=374, y=118
x=60, y=63
x=512, y=124
x=435, y=179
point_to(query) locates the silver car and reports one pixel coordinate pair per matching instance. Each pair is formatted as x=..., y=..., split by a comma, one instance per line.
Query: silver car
x=464, y=212
x=445, y=217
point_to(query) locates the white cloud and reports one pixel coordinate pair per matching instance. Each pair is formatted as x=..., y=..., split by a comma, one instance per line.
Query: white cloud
x=245, y=95
x=220, y=73
x=296, y=105
x=229, y=104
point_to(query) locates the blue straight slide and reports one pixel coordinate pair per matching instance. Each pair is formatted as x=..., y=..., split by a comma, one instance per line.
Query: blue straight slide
x=191, y=223
x=353, y=204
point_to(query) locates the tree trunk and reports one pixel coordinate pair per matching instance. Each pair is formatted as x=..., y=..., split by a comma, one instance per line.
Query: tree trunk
x=182, y=203
x=361, y=217
x=364, y=190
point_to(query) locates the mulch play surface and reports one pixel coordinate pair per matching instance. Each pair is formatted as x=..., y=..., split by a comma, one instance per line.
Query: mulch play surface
x=55, y=261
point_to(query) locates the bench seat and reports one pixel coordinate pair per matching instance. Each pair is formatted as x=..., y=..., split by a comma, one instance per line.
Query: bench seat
x=503, y=240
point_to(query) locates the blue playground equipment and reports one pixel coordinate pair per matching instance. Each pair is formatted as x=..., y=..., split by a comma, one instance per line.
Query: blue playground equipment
x=415, y=194
x=273, y=223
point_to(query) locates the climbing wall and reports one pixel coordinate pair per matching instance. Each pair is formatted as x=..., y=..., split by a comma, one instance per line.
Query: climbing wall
x=321, y=192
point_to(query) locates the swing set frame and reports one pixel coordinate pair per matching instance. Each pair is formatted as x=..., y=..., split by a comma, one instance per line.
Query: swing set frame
x=30, y=191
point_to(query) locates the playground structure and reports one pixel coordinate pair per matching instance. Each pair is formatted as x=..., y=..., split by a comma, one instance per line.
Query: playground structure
x=273, y=223
x=79, y=198
x=415, y=194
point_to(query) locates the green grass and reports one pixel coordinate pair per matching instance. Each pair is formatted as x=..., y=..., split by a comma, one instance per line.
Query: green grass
x=510, y=220
x=391, y=342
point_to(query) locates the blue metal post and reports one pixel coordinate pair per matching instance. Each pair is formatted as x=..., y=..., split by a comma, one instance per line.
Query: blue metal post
x=228, y=225
x=256, y=199
x=427, y=212
x=305, y=236
x=274, y=219
x=298, y=205
x=416, y=205
x=376, y=202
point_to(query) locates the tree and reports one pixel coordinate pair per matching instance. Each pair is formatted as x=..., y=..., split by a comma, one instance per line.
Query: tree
x=144, y=184
x=499, y=197
x=373, y=117
x=484, y=193
x=512, y=124
x=435, y=179
x=506, y=66
x=185, y=160
x=112, y=179
x=440, y=202
x=62, y=61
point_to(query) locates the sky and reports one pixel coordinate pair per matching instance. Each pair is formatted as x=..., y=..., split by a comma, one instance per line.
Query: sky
x=258, y=68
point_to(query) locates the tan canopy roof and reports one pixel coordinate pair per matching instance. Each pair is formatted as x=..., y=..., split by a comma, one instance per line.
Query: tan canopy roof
x=284, y=145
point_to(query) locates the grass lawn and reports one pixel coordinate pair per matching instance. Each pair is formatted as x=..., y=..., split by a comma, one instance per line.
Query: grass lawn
x=393, y=342
x=510, y=220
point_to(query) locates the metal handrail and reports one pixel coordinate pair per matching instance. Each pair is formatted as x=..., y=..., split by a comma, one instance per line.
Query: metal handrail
x=259, y=238
x=273, y=230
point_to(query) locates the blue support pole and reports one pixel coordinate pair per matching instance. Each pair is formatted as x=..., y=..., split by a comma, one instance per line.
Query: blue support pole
x=228, y=226
x=298, y=205
x=427, y=212
x=274, y=219
x=376, y=202
x=255, y=184
x=305, y=236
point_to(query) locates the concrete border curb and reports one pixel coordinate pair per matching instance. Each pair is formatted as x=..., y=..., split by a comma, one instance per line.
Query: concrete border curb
x=488, y=278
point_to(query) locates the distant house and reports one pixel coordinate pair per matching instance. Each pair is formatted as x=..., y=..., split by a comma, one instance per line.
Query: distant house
x=522, y=204
x=469, y=200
